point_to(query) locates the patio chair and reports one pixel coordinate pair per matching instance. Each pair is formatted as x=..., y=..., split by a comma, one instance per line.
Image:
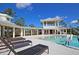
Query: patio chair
x=35, y=50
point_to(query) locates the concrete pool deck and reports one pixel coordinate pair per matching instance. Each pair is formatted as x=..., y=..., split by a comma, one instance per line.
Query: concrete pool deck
x=55, y=49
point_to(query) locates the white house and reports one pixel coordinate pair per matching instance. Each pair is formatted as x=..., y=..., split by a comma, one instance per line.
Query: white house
x=49, y=26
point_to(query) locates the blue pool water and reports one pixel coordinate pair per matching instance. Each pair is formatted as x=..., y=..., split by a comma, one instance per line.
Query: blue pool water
x=62, y=40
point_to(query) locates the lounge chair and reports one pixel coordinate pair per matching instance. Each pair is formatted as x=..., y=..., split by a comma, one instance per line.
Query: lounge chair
x=35, y=50
x=18, y=42
x=15, y=43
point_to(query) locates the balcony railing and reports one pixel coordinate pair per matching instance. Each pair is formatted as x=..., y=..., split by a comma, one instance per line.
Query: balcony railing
x=51, y=26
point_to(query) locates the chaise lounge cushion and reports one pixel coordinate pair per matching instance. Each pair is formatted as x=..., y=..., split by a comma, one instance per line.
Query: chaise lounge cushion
x=35, y=50
x=20, y=44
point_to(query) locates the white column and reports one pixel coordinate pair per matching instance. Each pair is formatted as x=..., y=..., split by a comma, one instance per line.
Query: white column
x=58, y=23
x=66, y=31
x=13, y=32
x=37, y=32
x=24, y=32
x=43, y=24
x=49, y=31
x=55, y=23
x=63, y=31
x=31, y=31
x=46, y=31
x=55, y=31
x=21, y=32
x=0, y=30
x=42, y=31
x=60, y=31
x=3, y=32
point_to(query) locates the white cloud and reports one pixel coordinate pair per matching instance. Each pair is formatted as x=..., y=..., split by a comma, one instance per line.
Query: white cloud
x=57, y=16
x=74, y=21
x=23, y=5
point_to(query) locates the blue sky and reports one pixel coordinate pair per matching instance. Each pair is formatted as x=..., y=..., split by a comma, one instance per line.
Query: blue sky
x=32, y=13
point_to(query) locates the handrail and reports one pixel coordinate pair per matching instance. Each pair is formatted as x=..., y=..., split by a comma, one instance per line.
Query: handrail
x=69, y=25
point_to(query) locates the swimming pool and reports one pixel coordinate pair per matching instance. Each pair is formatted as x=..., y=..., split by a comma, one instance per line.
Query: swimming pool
x=62, y=39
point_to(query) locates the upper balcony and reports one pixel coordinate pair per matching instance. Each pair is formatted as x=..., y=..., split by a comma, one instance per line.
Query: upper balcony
x=50, y=27
x=51, y=22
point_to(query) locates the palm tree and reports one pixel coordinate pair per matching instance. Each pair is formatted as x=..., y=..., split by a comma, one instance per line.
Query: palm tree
x=9, y=11
x=31, y=25
x=20, y=21
x=63, y=23
x=75, y=29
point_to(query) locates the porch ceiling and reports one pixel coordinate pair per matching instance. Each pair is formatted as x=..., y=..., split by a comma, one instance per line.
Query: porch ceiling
x=9, y=24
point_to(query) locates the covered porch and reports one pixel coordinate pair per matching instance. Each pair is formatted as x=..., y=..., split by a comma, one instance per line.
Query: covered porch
x=42, y=31
x=8, y=29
